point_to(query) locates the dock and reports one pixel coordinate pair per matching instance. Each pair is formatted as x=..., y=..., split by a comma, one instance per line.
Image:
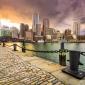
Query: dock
x=19, y=69
x=16, y=71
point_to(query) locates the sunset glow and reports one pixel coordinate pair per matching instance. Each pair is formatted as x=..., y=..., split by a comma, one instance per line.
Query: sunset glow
x=9, y=23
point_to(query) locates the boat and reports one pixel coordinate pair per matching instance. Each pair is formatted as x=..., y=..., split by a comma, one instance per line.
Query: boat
x=40, y=41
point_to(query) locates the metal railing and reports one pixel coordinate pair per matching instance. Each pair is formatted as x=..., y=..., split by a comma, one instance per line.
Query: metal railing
x=74, y=57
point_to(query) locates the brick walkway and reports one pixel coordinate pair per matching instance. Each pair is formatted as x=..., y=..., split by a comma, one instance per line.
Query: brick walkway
x=15, y=71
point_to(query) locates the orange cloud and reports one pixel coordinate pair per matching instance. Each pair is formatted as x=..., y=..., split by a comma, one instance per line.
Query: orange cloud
x=7, y=12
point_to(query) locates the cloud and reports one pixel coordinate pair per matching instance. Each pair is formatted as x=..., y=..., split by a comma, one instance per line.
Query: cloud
x=56, y=10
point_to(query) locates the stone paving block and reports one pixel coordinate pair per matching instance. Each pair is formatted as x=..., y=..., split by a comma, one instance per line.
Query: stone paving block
x=15, y=71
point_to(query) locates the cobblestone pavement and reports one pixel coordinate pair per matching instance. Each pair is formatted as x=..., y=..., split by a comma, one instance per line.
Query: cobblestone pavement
x=15, y=71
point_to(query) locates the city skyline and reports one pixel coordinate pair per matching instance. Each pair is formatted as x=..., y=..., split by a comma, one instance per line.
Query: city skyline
x=61, y=13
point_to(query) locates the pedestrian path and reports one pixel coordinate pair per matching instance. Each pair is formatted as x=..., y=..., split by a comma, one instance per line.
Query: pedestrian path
x=16, y=71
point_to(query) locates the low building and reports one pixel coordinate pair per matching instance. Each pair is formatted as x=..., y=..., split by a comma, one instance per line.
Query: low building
x=37, y=38
x=15, y=33
x=68, y=35
x=5, y=34
x=29, y=35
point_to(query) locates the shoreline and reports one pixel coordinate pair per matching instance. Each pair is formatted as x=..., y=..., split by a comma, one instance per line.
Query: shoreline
x=49, y=66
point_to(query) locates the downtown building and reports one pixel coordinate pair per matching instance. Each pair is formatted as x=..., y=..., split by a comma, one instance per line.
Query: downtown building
x=68, y=35
x=14, y=33
x=36, y=27
x=23, y=29
x=45, y=28
x=76, y=29
x=5, y=34
x=29, y=35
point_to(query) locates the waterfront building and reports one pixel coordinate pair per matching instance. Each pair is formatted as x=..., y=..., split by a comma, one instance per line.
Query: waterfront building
x=49, y=34
x=23, y=29
x=59, y=35
x=14, y=32
x=26, y=27
x=5, y=34
x=68, y=35
x=38, y=38
x=45, y=26
x=38, y=29
x=76, y=28
x=29, y=35
x=35, y=24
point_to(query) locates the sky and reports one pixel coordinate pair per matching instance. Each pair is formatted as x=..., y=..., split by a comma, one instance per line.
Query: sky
x=61, y=13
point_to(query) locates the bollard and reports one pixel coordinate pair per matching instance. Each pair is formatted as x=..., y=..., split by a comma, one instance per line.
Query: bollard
x=15, y=47
x=74, y=65
x=3, y=44
x=74, y=60
x=62, y=55
x=62, y=45
x=62, y=58
x=23, y=47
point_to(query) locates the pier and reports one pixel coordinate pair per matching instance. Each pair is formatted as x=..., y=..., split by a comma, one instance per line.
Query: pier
x=18, y=70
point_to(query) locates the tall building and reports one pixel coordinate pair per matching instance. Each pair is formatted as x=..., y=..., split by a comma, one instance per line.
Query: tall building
x=26, y=27
x=76, y=28
x=23, y=29
x=35, y=21
x=38, y=29
x=45, y=26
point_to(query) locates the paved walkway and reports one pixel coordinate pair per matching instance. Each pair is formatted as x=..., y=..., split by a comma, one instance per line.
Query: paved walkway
x=17, y=71
x=53, y=68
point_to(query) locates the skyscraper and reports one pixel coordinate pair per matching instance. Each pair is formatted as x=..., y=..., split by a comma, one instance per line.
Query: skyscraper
x=38, y=29
x=45, y=25
x=35, y=21
x=23, y=29
x=76, y=28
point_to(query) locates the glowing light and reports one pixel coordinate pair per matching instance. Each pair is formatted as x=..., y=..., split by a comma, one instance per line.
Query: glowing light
x=9, y=23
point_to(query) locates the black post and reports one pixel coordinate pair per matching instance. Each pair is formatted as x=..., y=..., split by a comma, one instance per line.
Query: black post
x=62, y=55
x=23, y=47
x=62, y=58
x=74, y=65
x=3, y=44
x=74, y=60
x=15, y=47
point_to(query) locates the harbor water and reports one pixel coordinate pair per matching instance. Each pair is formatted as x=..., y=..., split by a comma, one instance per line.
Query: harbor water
x=54, y=57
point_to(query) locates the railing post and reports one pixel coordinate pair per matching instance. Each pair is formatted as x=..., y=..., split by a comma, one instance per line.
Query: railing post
x=74, y=65
x=62, y=58
x=15, y=47
x=62, y=55
x=23, y=47
x=3, y=44
x=74, y=60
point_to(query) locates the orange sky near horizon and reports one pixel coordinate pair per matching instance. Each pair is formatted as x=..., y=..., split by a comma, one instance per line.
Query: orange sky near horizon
x=13, y=15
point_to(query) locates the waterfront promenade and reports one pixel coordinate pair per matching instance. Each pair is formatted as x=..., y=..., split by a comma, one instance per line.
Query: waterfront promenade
x=16, y=71
x=16, y=68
